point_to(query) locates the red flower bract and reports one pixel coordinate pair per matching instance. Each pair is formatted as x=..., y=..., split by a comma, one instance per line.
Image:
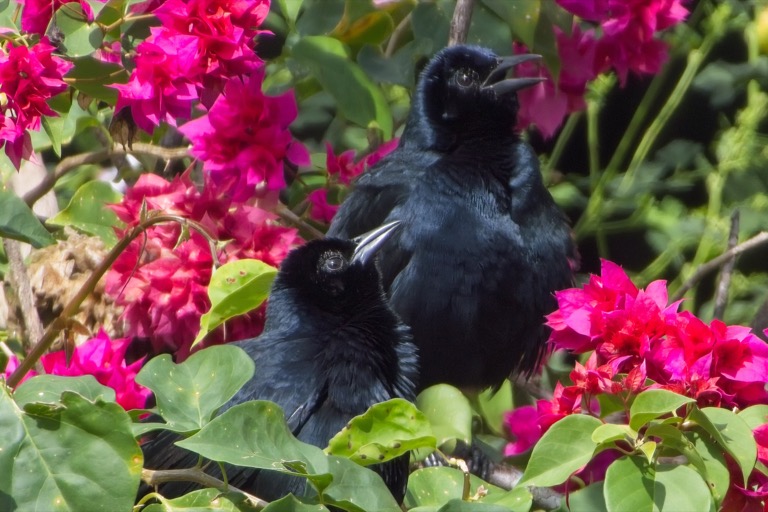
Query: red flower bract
x=29, y=77
x=244, y=138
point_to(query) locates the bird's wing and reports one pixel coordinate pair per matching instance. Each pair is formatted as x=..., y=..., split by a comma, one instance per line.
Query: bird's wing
x=375, y=194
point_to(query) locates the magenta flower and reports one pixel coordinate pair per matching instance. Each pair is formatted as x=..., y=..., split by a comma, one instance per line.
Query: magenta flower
x=37, y=14
x=344, y=168
x=244, y=138
x=29, y=77
x=523, y=424
x=158, y=89
x=105, y=360
x=12, y=365
x=319, y=209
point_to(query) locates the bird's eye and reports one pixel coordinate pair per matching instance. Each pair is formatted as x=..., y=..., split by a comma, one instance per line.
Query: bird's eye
x=465, y=78
x=334, y=263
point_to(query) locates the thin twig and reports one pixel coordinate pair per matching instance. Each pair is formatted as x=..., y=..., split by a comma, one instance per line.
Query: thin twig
x=286, y=214
x=721, y=296
x=397, y=34
x=73, y=306
x=23, y=288
x=713, y=264
x=462, y=16
x=196, y=475
x=73, y=162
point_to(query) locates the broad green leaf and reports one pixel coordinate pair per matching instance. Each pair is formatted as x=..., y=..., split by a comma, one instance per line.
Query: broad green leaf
x=400, y=68
x=236, y=288
x=201, y=501
x=88, y=212
x=73, y=456
x=754, y=416
x=360, y=100
x=255, y=434
x=674, y=439
x=91, y=76
x=48, y=389
x=653, y=403
x=19, y=223
x=494, y=406
x=291, y=504
x=52, y=127
x=562, y=450
x=610, y=432
x=732, y=433
x=7, y=15
x=80, y=37
x=189, y=393
x=448, y=411
x=319, y=16
x=489, y=30
x=290, y=10
x=587, y=499
x=632, y=484
x=458, y=505
x=385, y=431
x=431, y=21
x=363, y=24
x=434, y=486
x=648, y=449
x=518, y=499
x=717, y=475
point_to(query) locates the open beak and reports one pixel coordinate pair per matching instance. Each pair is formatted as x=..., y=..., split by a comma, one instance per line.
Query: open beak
x=501, y=86
x=369, y=243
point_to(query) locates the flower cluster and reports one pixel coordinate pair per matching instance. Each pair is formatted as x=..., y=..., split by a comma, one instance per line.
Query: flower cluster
x=342, y=169
x=105, y=360
x=200, y=44
x=244, y=138
x=29, y=77
x=627, y=43
x=161, y=281
x=639, y=341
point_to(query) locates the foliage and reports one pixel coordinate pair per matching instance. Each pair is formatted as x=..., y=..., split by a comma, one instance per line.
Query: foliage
x=234, y=130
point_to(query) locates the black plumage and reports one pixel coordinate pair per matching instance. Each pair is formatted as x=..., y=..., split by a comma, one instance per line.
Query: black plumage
x=331, y=348
x=482, y=244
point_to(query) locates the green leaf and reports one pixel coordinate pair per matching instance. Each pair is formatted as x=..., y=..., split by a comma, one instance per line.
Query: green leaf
x=52, y=127
x=731, y=433
x=448, y=411
x=255, y=434
x=290, y=10
x=717, y=475
x=385, y=431
x=431, y=21
x=673, y=438
x=236, y=288
x=360, y=100
x=189, y=393
x=632, y=484
x=319, y=16
x=458, y=505
x=200, y=501
x=48, y=389
x=562, y=450
x=610, y=432
x=587, y=499
x=495, y=405
x=88, y=212
x=433, y=487
x=91, y=76
x=291, y=504
x=80, y=37
x=78, y=455
x=754, y=416
x=653, y=403
x=19, y=223
x=7, y=12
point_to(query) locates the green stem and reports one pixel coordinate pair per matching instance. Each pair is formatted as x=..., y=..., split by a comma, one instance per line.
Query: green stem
x=562, y=141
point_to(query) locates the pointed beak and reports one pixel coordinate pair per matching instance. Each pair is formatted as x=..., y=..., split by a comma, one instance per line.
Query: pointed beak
x=369, y=243
x=500, y=86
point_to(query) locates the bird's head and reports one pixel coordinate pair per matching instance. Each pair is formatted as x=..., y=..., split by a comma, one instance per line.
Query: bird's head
x=463, y=85
x=336, y=274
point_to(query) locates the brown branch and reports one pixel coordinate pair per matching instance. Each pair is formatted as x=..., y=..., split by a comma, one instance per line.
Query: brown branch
x=721, y=295
x=713, y=264
x=73, y=306
x=286, y=214
x=196, y=475
x=23, y=288
x=73, y=162
x=462, y=16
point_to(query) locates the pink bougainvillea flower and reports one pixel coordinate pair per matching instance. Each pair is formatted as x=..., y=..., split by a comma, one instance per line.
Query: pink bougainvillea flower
x=320, y=209
x=12, y=365
x=245, y=136
x=161, y=282
x=344, y=168
x=523, y=424
x=158, y=89
x=29, y=77
x=37, y=14
x=105, y=360
x=109, y=52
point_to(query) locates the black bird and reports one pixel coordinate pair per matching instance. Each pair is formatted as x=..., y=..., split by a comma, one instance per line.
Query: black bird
x=482, y=245
x=331, y=348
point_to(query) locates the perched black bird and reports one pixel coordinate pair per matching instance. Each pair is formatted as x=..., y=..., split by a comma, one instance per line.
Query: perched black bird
x=331, y=348
x=482, y=245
